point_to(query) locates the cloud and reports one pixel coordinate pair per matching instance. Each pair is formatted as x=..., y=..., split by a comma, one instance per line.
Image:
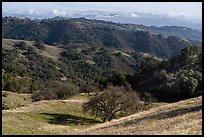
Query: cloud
x=134, y=15
x=32, y=12
x=56, y=12
x=178, y=15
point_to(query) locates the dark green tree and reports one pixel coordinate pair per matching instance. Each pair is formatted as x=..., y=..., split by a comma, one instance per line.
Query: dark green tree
x=190, y=55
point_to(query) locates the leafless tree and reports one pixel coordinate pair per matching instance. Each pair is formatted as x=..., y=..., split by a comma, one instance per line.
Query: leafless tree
x=112, y=103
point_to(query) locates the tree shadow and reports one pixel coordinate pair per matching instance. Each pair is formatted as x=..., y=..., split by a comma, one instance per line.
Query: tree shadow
x=161, y=115
x=67, y=119
x=164, y=115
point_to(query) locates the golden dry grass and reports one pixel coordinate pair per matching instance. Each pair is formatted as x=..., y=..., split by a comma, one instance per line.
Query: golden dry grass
x=52, y=52
x=46, y=116
x=184, y=117
x=14, y=100
x=8, y=43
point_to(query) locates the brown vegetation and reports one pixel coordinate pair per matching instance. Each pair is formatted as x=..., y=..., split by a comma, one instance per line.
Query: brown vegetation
x=184, y=117
x=112, y=103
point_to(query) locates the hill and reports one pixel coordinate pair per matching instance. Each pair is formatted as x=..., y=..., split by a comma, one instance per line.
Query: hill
x=24, y=63
x=184, y=117
x=50, y=117
x=29, y=67
x=179, y=31
x=75, y=31
x=66, y=117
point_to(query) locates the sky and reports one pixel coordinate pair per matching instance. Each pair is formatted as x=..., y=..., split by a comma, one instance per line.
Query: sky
x=191, y=10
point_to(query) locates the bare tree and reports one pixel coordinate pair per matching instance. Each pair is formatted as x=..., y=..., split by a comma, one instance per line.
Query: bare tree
x=112, y=103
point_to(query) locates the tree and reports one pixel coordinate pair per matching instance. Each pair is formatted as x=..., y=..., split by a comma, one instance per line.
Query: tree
x=55, y=90
x=112, y=103
x=190, y=55
x=39, y=44
x=118, y=78
x=164, y=64
x=188, y=84
x=189, y=81
x=87, y=88
x=149, y=64
x=21, y=46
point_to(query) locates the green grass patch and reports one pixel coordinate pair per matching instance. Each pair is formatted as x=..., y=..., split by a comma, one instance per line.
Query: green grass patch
x=52, y=113
x=67, y=119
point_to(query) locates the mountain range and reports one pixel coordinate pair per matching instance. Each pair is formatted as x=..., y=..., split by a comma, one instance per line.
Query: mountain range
x=144, y=18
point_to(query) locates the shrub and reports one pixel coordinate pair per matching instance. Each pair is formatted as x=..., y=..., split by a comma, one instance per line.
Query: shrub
x=88, y=88
x=189, y=81
x=148, y=99
x=55, y=90
x=5, y=94
x=21, y=46
x=39, y=44
x=5, y=106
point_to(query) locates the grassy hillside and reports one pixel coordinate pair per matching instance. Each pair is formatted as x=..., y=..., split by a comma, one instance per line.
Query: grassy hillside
x=47, y=117
x=13, y=100
x=67, y=117
x=184, y=117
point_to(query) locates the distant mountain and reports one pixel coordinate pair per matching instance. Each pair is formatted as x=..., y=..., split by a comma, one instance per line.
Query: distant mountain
x=80, y=31
x=184, y=32
x=143, y=18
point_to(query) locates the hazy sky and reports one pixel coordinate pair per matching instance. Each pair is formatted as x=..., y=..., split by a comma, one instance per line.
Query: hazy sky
x=192, y=10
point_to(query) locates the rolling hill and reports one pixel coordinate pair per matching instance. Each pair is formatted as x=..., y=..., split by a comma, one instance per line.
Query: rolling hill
x=75, y=65
x=66, y=117
x=49, y=65
x=184, y=117
x=160, y=41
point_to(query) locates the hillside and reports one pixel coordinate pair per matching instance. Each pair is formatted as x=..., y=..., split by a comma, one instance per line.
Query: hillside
x=45, y=117
x=83, y=32
x=179, y=31
x=74, y=64
x=184, y=117
x=66, y=117
x=80, y=69
x=28, y=67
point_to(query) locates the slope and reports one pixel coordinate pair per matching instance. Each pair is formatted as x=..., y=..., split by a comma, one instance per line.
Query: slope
x=184, y=117
x=46, y=117
x=83, y=31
